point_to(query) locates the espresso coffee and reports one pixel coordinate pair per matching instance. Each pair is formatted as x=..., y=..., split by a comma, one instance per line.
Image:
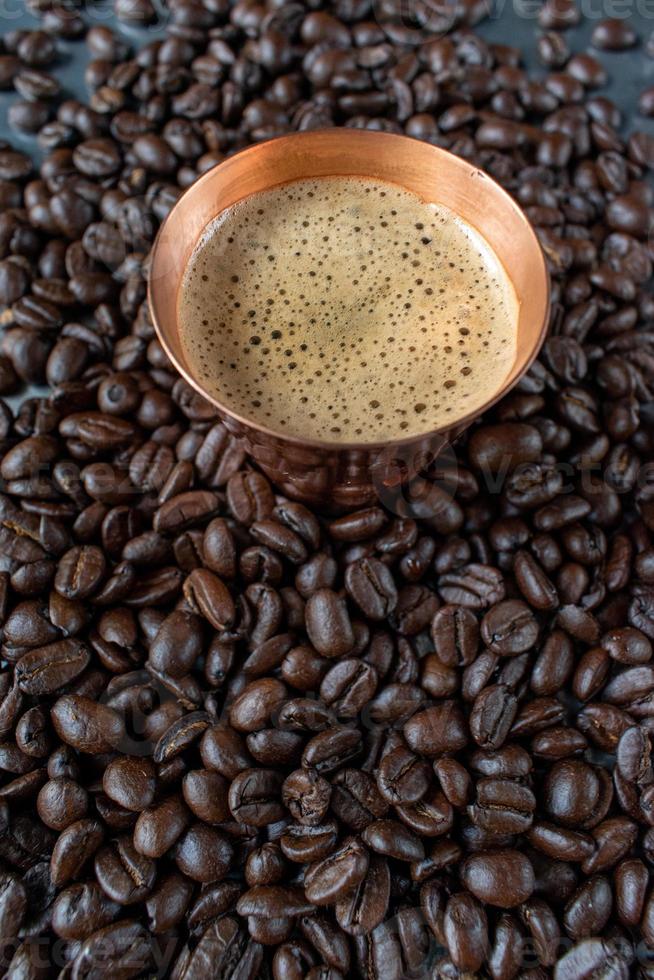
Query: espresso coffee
x=347, y=309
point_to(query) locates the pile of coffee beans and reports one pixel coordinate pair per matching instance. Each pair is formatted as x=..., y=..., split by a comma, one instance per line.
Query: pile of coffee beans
x=242, y=740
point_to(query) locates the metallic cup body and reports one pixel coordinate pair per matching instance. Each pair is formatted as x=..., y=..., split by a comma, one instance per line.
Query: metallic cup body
x=346, y=475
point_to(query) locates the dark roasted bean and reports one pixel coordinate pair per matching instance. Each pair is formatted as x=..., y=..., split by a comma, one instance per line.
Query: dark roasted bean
x=328, y=623
x=503, y=878
x=87, y=726
x=370, y=584
x=328, y=880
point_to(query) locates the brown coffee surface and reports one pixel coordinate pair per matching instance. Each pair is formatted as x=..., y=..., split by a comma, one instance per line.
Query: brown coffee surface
x=347, y=309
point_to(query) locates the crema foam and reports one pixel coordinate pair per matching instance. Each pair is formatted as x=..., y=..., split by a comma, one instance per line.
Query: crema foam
x=347, y=309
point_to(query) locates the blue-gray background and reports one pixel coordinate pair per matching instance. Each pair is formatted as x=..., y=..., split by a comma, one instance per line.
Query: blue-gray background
x=510, y=22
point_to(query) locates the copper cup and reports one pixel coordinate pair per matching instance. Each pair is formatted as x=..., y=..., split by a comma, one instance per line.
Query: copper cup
x=344, y=475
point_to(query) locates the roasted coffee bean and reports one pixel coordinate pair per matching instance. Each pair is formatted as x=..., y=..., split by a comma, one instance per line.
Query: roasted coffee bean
x=219, y=548
x=45, y=670
x=249, y=497
x=328, y=623
x=255, y=797
x=130, y=782
x=76, y=845
x=358, y=525
x=307, y=796
x=502, y=807
x=613, y=34
x=332, y=749
x=265, y=866
x=502, y=878
x=509, y=628
x=80, y=910
x=274, y=901
x=177, y=645
x=465, y=931
x=370, y=585
x=86, y=725
x=474, y=586
x=208, y=594
x=455, y=633
x=504, y=447
x=493, y=713
x=223, y=750
x=301, y=843
x=185, y=510
x=328, y=880
x=402, y=777
x=61, y=801
x=627, y=645
x=203, y=854
x=631, y=879
x=80, y=572
x=158, y=827
x=437, y=730
x=356, y=799
x=257, y=704
x=124, y=875
x=589, y=908
x=205, y=794
x=181, y=734
x=348, y=686
x=393, y=839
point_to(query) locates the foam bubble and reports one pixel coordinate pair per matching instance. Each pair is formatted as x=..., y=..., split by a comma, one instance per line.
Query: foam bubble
x=345, y=309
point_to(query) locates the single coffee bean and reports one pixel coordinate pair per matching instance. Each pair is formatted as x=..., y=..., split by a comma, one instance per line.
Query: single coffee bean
x=255, y=797
x=178, y=644
x=392, y=839
x=80, y=572
x=76, y=845
x=130, y=782
x=328, y=624
x=80, y=910
x=203, y=854
x=257, y=704
x=61, y=801
x=86, y=725
x=124, y=875
x=402, y=777
x=364, y=908
x=45, y=670
x=493, y=713
x=437, y=730
x=503, y=878
x=613, y=34
x=326, y=881
x=466, y=932
x=370, y=585
x=158, y=827
x=307, y=796
x=509, y=628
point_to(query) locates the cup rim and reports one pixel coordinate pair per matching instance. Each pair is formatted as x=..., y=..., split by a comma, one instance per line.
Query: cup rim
x=457, y=424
